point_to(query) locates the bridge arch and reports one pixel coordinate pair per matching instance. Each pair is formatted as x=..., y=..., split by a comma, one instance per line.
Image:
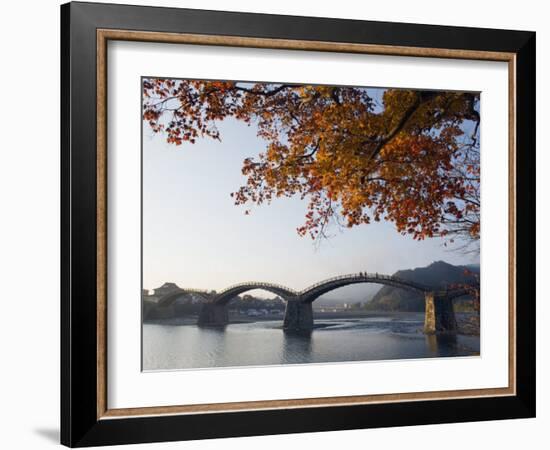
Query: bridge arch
x=313, y=292
x=223, y=297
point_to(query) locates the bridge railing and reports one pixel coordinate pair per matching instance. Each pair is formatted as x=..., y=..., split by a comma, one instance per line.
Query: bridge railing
x=370, y=276
x=258, y=285
x=357, y=276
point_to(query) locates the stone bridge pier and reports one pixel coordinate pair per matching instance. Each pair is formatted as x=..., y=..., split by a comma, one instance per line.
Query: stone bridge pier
x=440, y=315
x=298, y=315
x=213, y=315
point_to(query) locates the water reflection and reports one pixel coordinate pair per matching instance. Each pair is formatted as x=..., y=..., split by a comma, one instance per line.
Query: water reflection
x=442, y=344
x=380, y=337
x=297, y=346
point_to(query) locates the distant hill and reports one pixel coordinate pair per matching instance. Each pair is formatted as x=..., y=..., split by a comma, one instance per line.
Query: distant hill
x=438, y=274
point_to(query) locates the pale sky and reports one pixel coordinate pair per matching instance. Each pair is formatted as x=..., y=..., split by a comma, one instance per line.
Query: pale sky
x=195, y=236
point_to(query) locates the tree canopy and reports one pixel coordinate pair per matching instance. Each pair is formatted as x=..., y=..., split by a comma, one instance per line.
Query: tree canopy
x=411, y=158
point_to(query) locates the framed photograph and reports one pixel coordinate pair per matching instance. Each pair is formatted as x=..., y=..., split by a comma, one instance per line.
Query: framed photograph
x=276, y=224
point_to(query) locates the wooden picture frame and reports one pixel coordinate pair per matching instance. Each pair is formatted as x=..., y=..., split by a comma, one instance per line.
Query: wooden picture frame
x=86, y=418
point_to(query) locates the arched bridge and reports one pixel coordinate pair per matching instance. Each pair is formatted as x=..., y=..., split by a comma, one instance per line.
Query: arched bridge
x=299, y=314
x=314, y=291
x=231, y=292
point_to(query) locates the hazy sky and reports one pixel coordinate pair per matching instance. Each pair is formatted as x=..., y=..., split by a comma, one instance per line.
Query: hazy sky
x=195, y=236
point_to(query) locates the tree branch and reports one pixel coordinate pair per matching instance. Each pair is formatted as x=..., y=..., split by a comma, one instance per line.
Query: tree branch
x=264, y=93
x=421, y=98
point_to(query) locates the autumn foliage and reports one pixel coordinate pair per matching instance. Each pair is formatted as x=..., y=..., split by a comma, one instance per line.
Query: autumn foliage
x=411, y=158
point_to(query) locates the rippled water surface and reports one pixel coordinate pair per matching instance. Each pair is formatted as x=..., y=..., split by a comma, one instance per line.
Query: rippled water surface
x=388, y=336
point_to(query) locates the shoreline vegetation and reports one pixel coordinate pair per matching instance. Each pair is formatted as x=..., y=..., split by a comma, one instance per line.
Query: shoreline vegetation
x=468, y=322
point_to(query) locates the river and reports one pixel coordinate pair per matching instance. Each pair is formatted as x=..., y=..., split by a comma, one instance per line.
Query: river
x=374, y=337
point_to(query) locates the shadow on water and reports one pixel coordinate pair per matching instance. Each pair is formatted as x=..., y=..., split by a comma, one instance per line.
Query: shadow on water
x=297, y=346
x=306, y=334
x=442, y=344
x=213, y=329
